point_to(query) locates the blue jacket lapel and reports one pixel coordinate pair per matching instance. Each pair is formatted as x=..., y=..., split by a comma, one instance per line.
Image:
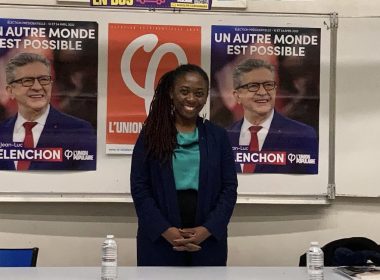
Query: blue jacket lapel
x=274, y=133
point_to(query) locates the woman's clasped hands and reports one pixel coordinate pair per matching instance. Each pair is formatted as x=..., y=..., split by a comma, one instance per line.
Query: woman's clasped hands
x=186, y=239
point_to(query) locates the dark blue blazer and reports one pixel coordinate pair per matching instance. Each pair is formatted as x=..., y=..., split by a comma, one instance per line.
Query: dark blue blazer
x=155, y=199
x=60, y=131
x=284, y=135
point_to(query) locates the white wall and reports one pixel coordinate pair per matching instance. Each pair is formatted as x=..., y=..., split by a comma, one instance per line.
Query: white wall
x=343, y=7
x=70, y=234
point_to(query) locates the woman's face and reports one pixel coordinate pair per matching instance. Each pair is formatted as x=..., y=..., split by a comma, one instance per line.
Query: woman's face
x=189, y=96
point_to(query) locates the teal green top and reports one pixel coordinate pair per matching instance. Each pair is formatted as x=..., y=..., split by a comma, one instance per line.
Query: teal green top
x=186, y=160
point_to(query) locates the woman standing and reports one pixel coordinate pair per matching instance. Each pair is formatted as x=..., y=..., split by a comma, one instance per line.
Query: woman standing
x=183, y=178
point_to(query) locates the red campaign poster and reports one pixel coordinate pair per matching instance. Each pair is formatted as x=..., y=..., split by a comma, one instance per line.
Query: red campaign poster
x=138, y=55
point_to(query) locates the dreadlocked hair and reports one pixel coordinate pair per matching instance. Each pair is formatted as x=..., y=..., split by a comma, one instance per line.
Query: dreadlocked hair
x=160, y=133
x=159, y=127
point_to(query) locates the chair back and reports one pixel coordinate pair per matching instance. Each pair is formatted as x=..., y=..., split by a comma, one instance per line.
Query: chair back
x=18, y=257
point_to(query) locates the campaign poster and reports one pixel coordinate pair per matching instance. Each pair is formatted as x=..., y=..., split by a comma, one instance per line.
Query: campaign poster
x=49, y=77
x=265, y=91
x=138, y=55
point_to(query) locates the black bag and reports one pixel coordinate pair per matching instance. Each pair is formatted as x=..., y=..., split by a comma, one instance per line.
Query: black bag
x=349, y=251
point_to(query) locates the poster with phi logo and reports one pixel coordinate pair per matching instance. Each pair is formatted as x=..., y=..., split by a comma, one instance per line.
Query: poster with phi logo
x=265, y=92
x=138, y=55
x=48, y=94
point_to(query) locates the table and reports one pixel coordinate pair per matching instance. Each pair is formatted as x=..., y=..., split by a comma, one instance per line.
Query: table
x=165, y=273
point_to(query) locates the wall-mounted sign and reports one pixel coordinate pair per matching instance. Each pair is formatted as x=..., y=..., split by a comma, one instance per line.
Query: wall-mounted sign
x=154, y=4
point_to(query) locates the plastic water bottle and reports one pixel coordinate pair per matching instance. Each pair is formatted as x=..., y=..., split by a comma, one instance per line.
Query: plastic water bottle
x=109, y=259
x=314, y=259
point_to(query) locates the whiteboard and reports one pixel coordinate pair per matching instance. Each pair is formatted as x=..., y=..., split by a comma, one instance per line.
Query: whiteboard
x=357, y=110
x=110, y=182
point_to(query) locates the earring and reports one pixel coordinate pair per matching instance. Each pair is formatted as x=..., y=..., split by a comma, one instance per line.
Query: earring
x=204, y=115
x=172, y=109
